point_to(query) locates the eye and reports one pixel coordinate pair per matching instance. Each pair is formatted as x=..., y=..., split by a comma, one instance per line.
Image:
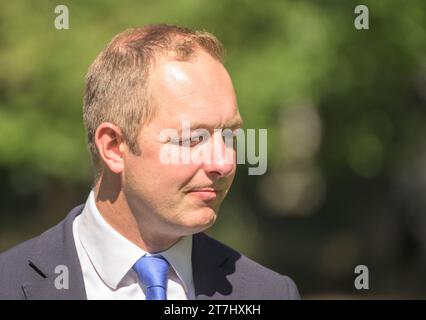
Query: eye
x=196, y=139
x=184, y=143
x=192, y=142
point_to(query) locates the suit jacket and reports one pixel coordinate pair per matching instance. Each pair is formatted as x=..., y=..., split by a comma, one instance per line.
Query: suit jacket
x=27, y=271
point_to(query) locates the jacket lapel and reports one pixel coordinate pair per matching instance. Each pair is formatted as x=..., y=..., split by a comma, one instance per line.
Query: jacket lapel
x=54, y=264
x=214, y=270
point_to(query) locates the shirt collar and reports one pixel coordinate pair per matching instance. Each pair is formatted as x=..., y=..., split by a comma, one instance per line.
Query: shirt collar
x=179, y=257
x=113, y=256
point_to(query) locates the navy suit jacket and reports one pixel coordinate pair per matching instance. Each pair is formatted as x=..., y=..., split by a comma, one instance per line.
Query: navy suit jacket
x=27, y=271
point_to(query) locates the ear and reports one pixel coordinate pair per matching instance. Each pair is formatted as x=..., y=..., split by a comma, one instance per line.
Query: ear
x=111, y=145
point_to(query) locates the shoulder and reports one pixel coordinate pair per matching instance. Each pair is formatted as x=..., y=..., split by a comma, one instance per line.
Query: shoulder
x=257, y=281
x=273, y=284
x=24, y=262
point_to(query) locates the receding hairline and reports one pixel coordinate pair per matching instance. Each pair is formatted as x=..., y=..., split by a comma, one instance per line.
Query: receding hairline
x=172, y=41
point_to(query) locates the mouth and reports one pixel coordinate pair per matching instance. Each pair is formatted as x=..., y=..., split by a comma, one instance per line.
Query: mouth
x=205, y=194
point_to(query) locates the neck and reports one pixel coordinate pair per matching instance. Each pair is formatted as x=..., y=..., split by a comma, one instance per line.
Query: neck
x=114, y=208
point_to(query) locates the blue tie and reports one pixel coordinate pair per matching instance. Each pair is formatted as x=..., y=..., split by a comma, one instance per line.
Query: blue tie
x=152, y=272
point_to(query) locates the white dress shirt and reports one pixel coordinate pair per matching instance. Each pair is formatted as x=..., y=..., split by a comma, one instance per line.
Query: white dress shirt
x=107, y=258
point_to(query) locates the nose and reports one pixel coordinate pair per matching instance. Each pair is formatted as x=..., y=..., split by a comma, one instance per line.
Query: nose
x=223, y=158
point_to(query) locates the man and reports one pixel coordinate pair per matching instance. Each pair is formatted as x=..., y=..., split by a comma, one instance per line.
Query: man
x=140, y=233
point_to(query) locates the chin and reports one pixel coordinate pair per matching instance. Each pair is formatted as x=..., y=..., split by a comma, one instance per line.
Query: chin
x=200, y=220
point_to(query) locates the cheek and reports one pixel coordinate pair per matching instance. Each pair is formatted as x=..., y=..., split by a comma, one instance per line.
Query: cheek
x=148, y=173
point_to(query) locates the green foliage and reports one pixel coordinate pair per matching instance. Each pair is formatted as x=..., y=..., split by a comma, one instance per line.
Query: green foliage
x=279, y=53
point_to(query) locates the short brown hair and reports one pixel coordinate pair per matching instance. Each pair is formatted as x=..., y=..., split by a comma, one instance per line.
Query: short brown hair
x=117, y=81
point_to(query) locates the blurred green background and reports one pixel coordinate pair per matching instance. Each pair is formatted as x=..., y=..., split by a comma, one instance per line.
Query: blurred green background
x=345, y=111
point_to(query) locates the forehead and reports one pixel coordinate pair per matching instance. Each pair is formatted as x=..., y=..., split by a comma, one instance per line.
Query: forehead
x=199, y=90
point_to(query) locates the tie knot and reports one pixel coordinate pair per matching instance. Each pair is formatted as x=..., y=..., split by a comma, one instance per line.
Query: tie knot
x=152, y=272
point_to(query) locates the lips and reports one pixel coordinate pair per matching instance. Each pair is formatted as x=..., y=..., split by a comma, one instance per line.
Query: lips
x=204, y=193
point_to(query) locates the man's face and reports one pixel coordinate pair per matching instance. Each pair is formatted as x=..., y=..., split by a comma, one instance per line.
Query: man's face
x=182, y=199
